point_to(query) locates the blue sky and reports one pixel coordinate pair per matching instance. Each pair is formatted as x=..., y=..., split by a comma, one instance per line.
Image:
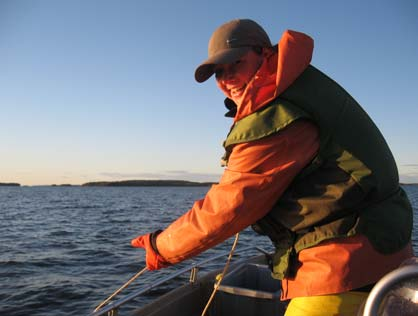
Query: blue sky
x=104, y=90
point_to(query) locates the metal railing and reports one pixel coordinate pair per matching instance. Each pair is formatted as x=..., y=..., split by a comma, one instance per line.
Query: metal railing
x=112, y=308
x=385, y=285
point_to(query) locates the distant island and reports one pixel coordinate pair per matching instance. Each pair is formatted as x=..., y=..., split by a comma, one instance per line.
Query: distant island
x=9, y=184
x=147, y=183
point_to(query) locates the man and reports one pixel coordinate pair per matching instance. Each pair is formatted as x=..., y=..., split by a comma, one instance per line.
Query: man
x=306, y=166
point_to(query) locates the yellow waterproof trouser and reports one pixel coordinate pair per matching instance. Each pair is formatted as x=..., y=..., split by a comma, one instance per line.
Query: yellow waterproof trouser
x=344, y=304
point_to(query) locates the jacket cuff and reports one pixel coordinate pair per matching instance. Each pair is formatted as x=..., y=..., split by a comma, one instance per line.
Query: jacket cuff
x=153, y=241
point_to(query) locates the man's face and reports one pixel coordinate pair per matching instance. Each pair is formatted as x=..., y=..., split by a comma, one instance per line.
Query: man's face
x=233, y=78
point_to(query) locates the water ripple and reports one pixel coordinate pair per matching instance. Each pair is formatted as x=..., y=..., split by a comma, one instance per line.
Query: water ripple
x=65, y=249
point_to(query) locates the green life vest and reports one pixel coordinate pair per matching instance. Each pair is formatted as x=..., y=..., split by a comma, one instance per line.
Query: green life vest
x=351, y=186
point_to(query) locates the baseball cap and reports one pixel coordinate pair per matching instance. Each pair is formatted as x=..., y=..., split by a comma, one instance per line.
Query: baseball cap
x=230, y=42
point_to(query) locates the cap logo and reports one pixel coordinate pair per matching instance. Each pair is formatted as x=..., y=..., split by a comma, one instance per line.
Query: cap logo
x=228, y=41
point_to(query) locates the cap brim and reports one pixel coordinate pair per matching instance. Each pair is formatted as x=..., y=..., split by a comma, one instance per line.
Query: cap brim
x=227, y=56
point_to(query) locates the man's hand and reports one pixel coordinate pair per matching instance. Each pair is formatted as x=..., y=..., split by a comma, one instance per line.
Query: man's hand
x=153, y=259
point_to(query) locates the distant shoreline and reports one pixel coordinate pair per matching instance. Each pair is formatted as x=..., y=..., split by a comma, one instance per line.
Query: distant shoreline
x=139, y=183
x=9, y=184
x=147, y=183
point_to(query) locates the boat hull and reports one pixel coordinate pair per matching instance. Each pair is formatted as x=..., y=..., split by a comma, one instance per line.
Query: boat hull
x=191, y=299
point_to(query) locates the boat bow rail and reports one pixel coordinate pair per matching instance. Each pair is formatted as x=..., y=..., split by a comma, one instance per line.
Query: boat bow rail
x=391, y=284
x=112, y=308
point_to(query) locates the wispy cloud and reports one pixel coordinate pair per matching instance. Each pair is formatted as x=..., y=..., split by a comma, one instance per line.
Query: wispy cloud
x=408, y=173
x=406, y=178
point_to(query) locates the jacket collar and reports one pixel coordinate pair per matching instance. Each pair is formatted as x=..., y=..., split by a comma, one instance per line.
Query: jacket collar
x=280, y=68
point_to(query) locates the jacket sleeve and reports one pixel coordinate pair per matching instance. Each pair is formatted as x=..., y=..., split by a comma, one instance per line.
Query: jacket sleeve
x=258, y=172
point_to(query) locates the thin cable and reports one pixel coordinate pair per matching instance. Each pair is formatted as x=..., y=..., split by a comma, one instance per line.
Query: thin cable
x=120, y=289
x=219, y=280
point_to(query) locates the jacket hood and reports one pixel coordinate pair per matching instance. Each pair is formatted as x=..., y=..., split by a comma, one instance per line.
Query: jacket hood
x=280, y=68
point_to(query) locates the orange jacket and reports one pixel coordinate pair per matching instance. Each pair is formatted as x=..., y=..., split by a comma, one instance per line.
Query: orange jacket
x=258, y=172
x=340, y=265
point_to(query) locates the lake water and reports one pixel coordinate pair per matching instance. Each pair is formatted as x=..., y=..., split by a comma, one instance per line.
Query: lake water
x=65, y=249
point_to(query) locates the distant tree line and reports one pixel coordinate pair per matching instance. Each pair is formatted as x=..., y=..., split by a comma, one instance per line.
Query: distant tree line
x=11, y=184
x=149, y=183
